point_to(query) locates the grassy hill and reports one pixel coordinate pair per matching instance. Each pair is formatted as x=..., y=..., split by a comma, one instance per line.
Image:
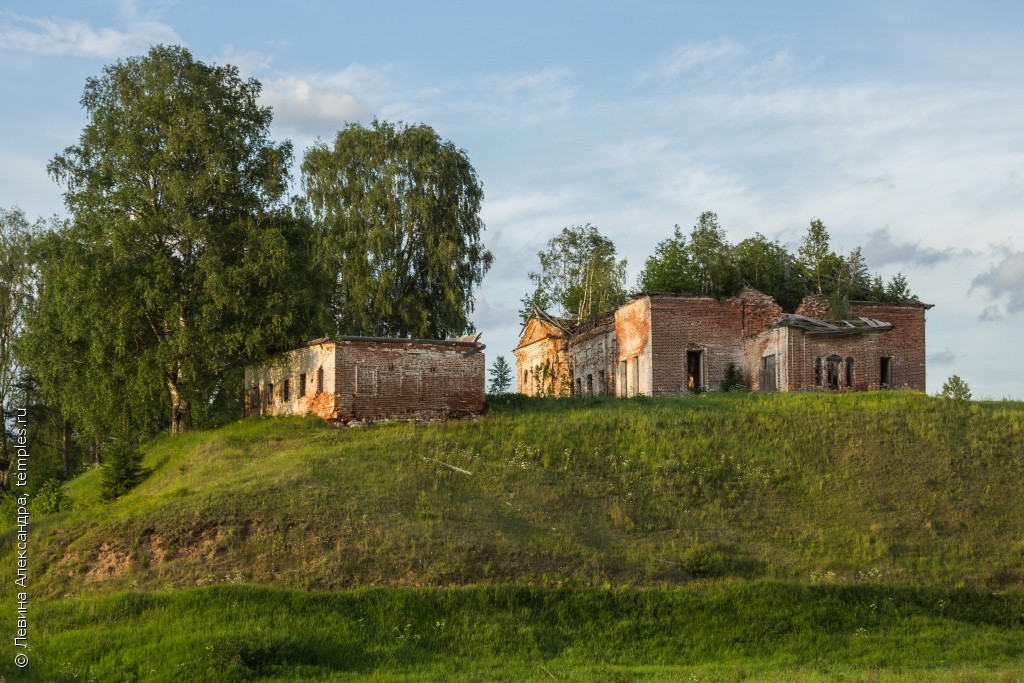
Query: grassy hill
x=905, y=509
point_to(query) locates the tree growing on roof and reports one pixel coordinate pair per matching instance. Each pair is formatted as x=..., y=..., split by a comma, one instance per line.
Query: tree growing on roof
x=768, y=267
x=703, y=263
x=580, y=276
x=399, y=211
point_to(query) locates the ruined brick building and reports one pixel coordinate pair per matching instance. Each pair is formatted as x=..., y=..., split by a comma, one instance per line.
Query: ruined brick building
x=369, y=378
x=667, y=344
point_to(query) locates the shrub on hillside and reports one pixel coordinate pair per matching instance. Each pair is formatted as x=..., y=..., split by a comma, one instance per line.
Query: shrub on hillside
x=698, y=559
x=122, y=469
x=956, y=389
x=50, y=498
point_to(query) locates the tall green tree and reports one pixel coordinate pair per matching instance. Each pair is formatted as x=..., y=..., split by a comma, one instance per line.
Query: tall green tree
x=817, y=260
x=501, y=376
x=668, y=269
x=711, y=258
x=703, y=263
x=580, y=275
x=763, y=264
x=898, y=290
x=400, y=213
x=182, y=258
x=17, y=281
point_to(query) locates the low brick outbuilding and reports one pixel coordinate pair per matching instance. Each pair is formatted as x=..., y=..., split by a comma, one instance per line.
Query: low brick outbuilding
x=370, y=378
x=667, y=344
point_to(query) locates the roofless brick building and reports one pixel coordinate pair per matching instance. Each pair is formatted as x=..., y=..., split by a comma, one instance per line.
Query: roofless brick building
x=369, y=378
x=667, y=344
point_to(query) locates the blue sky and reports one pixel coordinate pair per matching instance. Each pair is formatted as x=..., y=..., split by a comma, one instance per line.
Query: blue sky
x=900, y=125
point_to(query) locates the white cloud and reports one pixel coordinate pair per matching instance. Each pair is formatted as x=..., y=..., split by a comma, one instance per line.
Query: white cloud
x=1003, y=279
x=249, y=62
x=684, y=58
x=61, y=36
x=881, y=250
x=309, y=107
x=942, y=358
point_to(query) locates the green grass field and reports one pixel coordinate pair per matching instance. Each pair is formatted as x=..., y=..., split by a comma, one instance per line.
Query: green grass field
x=719, y=537
x=731, y=631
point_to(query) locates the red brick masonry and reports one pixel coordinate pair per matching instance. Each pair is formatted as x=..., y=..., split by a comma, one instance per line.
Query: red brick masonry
x=363, y=378
x=666, y=344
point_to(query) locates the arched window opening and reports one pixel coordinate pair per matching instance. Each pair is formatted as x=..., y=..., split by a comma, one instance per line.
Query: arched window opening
x=832, y=371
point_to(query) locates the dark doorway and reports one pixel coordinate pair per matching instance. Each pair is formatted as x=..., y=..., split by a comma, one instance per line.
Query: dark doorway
x=694, y=370
x=767, y=381
x=885, y=372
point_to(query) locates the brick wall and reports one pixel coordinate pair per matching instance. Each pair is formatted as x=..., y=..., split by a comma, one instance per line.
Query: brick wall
x=771, y=342
x=647, y=351
x=905, y=343
x=700, y=324
x=865, y=348
x=633, y=374
x=542, y=368
x=593, y=358
x=758, y=310
x=408, y=379
x=815, y=306
x=265, y=390
x=370, y=379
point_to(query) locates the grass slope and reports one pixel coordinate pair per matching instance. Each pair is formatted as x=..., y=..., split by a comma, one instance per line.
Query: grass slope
x=726, y=631
x=571, y=499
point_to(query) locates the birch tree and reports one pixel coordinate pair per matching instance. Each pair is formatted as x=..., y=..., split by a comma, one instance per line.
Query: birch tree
x=184, y=257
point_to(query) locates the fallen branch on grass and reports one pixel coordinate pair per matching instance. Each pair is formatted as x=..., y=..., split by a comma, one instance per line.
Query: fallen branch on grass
x=451, y=467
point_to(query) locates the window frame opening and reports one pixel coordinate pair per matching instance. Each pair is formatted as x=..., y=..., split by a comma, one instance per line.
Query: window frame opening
x=885, y=372
x=832, y=372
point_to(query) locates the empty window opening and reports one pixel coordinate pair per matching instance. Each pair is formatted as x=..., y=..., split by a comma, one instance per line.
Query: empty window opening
x=270, y=393
x=579, y=386
x=885, y=372
x=832, y=366
x=817, y=372
x=694, y=370
x=285, y=393
x=767, y=381
x=302, y=385
x=320, y=380
x=602, y=387
x=849, y=372
x=590, y=385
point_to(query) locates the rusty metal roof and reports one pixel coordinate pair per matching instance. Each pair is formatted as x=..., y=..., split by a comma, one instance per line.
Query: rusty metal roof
x=815, y=326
